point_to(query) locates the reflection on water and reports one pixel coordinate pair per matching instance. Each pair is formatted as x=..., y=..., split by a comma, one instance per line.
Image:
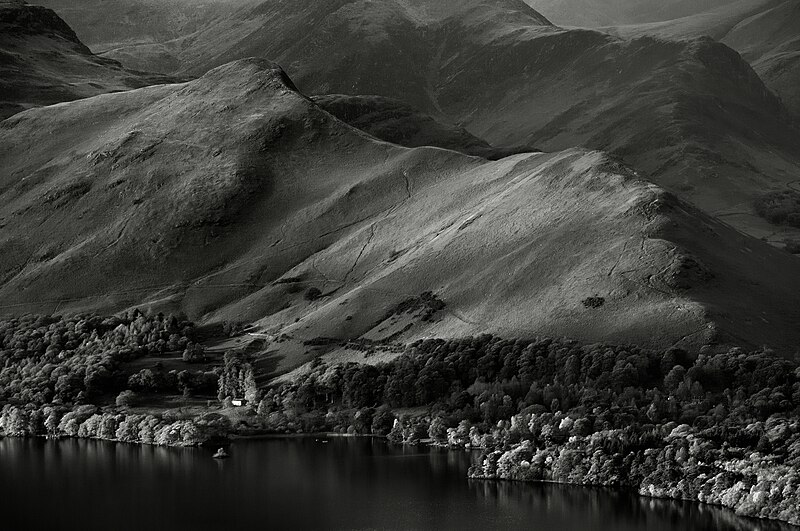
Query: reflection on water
x=305, y=483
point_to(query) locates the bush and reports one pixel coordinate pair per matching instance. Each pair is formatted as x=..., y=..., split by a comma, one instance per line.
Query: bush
x=594, y=302
x=792, y=246
x=232, y=329
x=313, y=294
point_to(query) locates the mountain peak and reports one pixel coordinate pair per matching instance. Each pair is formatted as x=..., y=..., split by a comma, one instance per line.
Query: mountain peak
x=251, y=70
x=17, y=17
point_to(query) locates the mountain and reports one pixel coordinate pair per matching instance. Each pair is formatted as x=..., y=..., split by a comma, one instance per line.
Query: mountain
x=43, y=62
x=690, y=114
x=142, y=34
x=43, y=50
x=598, y=13
x=770, y=41
x=235, y=197
x=765, y=32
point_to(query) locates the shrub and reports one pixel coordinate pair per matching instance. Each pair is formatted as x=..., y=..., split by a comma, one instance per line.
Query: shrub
x=313, y=294
x=594, y=302
x=792, y=246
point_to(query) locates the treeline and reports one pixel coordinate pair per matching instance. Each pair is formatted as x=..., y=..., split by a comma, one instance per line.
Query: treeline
x=91, y=422
x=486, y=379
x=720, y=428
x=68, y=360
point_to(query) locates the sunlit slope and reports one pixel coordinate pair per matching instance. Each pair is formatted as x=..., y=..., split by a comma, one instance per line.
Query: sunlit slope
x=231, y=196
x=43, y=62
x=517, y=246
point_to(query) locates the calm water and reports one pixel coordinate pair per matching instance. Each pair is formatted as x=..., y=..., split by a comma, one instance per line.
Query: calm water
x=304, y=484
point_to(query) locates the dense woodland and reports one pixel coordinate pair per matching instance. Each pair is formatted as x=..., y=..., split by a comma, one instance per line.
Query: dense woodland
x=57, y=373
x=722, y=428
x=719, y=428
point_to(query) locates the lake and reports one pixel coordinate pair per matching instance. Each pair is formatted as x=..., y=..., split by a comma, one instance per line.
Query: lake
x=305, y=483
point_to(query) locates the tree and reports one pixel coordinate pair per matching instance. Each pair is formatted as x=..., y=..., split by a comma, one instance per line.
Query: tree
x=51, y=420
x=382, y=421
x=674, y=378
x=251, y=392
x=193, y=353
x=126, y=398
x=438, y=430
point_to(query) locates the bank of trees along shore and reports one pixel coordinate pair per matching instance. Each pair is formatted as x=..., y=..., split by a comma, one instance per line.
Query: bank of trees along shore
x=717, y=428
x=55, y=372
x=721, y=428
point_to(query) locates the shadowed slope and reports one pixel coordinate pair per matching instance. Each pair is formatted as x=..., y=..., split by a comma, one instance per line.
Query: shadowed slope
x=394, y=121
x=770, y=41
x=43, y=62
x=231, y=195
x=765, y=32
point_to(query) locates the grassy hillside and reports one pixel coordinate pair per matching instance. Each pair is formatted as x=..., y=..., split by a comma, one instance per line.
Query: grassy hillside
x=232, y=196
x=43, y=62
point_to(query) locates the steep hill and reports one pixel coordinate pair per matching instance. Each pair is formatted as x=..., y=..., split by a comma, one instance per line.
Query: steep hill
x=231, y=196
x=43, y=62
x=690, y=114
